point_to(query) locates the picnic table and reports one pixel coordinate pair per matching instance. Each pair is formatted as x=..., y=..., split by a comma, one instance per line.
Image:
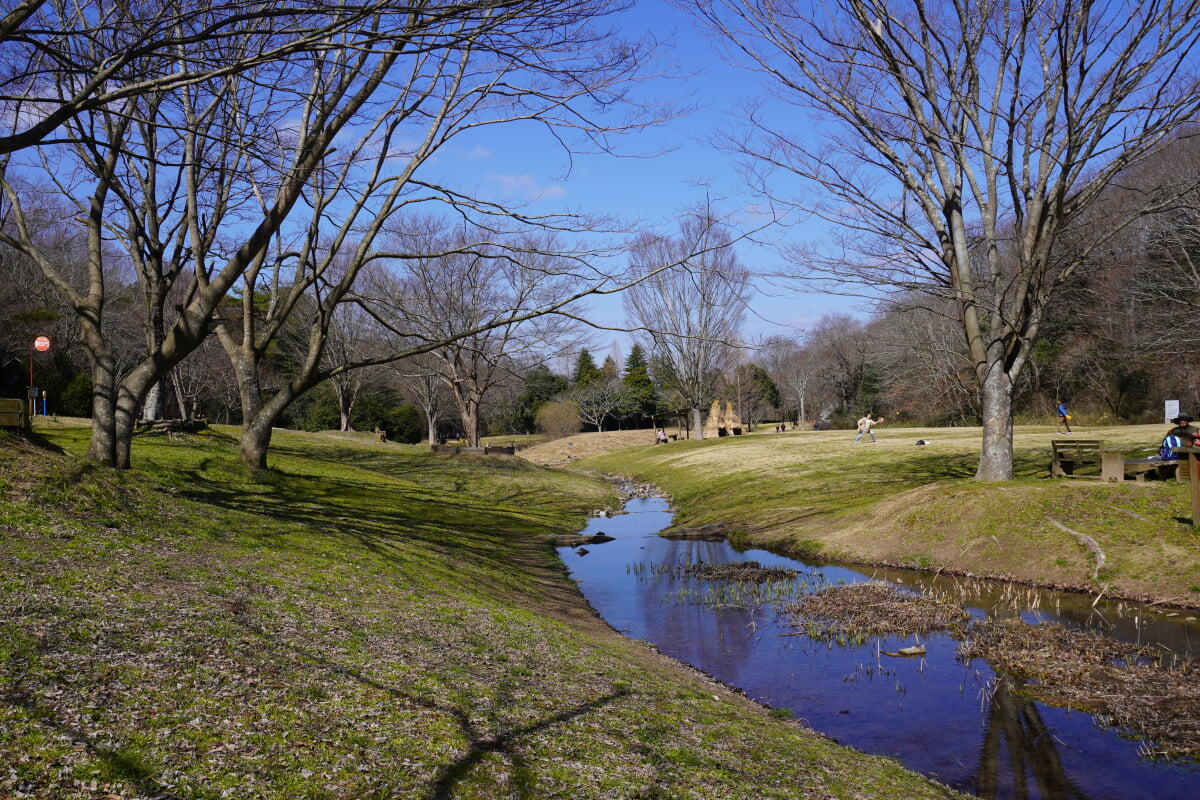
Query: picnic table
x=1114, y=466
x=1068, y=454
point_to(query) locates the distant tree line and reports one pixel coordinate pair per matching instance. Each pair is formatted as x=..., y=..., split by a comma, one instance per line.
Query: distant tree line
x=226, y=210
x=1123, y=340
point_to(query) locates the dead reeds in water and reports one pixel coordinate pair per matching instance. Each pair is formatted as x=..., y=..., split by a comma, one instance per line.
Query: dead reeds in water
x=1130, y=687
x=871, y=609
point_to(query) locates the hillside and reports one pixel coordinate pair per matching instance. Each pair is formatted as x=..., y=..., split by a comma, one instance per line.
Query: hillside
x=565, y=451
x=361, y=620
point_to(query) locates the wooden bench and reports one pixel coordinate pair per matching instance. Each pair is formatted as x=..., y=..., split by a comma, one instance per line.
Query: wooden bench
x=1114, y=466
x=1069, y=454
x=12, y=413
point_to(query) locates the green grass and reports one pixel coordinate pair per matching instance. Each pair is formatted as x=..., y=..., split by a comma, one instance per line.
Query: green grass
x=813, y=493
x=361, y=620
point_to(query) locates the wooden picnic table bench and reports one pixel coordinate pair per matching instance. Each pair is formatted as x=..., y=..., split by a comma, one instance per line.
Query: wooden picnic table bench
x=1114, y=466
x=1069, y=455
x=1066, y=455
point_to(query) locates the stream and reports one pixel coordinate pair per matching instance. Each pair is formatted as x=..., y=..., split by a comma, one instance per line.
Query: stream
x=956, y=722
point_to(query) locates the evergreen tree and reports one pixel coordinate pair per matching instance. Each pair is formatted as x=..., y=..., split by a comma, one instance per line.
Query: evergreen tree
x=610, y=368
x=639, y=405
x=586, y=372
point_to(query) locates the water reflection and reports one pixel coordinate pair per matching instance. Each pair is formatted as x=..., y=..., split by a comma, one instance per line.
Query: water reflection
x=960, y=723
x=1015, y=736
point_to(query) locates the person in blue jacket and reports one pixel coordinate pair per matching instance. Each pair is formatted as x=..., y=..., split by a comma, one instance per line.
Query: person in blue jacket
x=1064, y=419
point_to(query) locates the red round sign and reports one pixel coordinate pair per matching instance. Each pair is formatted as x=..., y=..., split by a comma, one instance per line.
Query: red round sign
x=41, y=344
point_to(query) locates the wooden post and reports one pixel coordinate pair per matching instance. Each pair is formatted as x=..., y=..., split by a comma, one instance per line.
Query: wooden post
x=1194, y=470
x=1193, y=459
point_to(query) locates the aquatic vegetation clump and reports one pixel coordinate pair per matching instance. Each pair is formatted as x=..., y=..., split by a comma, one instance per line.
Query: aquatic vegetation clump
x=737, y=584
x=865, y=609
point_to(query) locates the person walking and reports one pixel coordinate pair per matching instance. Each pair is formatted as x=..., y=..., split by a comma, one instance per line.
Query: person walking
x=865, y=425
x=1064, y=419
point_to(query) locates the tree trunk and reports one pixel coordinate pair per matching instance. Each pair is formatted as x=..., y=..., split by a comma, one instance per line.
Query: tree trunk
x=345, y=406
x=698, y=422
x=245, y=370
x=470, y=421
x=431, y=426
x=255, y=442
x=129, y=404
x=150, y=409
x=180, y=400
x=102, y=447
x=996, y=451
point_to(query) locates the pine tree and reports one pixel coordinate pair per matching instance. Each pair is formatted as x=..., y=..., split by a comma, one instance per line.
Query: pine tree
x=586, y=372
x=639, y=404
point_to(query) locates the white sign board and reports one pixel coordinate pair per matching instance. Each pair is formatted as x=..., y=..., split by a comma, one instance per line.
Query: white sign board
x=1170, y=411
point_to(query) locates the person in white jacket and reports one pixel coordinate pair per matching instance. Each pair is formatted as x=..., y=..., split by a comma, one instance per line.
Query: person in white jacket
x=864, y=426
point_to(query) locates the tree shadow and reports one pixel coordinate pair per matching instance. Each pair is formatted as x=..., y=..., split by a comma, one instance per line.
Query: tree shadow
x=122, y=764
x=37, y=440
x=480, y=746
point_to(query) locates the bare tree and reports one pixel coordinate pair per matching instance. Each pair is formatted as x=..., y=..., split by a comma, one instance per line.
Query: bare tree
x=691, y=314
x=65, y=58
x=840, y=345
x=598, y=400
x=419, y=377
x=390, y=92
x=480, y=308
x=960, y=143
x=924, y=364
x=793, y=372
x=461, y=68
x=121, y=150
x=352, y=338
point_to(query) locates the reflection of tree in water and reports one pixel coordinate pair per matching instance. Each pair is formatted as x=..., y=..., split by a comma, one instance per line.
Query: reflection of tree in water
x=1014, y=721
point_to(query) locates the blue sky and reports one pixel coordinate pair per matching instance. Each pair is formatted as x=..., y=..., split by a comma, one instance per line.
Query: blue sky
x=522, y=163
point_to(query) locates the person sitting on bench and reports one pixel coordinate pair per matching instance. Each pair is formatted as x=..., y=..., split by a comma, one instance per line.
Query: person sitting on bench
x=1184, y=434
x=1184, y=428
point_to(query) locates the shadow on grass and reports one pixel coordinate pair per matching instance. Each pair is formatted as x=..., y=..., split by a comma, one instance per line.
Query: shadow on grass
x=457, y=771
x=399, y=508
x=450, y=775
x=122, y=764
x=18, y=438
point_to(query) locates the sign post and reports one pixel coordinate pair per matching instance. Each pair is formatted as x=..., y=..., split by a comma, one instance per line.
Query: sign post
x=41, y=344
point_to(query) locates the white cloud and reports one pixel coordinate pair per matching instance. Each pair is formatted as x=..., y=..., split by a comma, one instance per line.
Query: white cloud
x=525, y=186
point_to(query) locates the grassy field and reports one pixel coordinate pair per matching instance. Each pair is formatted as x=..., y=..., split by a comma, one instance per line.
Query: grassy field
x=364, y=620
x=893, y=502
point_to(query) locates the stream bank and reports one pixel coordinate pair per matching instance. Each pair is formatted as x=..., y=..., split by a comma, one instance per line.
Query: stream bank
x=954, y=719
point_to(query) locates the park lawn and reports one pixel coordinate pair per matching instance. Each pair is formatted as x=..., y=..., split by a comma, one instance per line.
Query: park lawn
x=816, y=493
x=363, y=620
